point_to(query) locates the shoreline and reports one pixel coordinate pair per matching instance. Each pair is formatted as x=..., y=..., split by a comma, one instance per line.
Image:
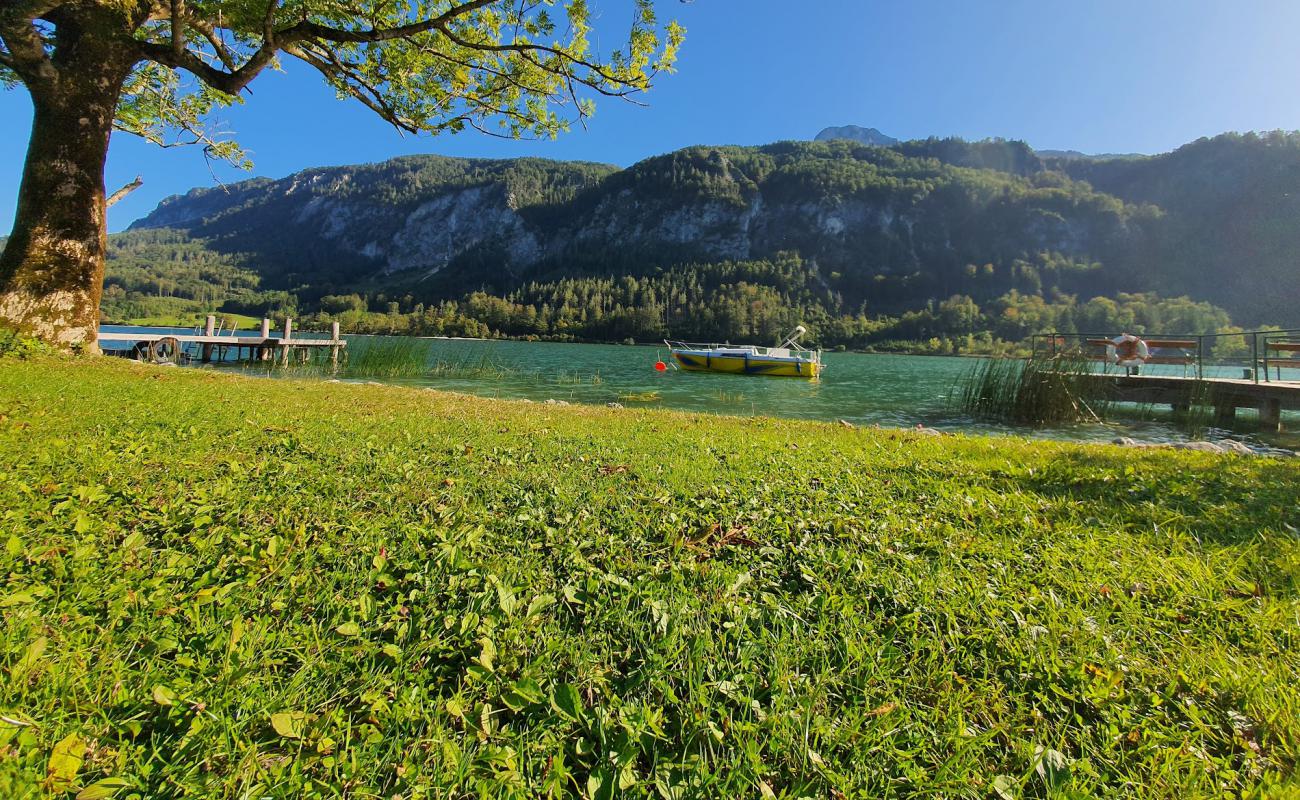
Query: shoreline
x=1116, y=433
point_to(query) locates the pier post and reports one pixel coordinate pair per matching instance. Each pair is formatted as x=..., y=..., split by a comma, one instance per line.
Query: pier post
x=1270, y=415
x=284, y=343
x=209, y=329
x=1225, y=413
x=262, y=352
x=334, y=348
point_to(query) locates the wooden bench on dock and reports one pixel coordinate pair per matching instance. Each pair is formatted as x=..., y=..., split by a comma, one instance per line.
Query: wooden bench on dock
x=1288, y=355
x=1185, y=354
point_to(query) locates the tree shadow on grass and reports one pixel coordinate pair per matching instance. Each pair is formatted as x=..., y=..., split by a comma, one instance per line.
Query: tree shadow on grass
x=1234, y=500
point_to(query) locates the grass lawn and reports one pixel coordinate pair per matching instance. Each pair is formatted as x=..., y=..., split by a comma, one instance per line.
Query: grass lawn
x=221, y=586
x=191, y=319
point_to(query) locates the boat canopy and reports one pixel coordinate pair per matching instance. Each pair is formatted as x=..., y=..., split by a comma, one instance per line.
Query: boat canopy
x=792, y=339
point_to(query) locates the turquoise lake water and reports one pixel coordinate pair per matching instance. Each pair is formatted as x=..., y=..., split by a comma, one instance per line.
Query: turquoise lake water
x=864, y=389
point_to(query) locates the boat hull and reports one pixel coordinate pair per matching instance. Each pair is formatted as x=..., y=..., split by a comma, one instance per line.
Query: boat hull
x=752, y=365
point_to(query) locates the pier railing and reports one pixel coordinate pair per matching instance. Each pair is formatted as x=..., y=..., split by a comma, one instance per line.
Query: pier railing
x=1261, y=354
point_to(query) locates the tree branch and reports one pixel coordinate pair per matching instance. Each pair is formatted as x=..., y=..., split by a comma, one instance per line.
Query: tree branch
x=496, y=73
x=229, y=82
x=31, y=9
x=26, y=50
x=306, y=40
x=528, y=49
x=178, y=27
x=234, y=81
x=329, y=65
x=313, y=30
x=124, y=191
x=218, y=46
x=268, y=22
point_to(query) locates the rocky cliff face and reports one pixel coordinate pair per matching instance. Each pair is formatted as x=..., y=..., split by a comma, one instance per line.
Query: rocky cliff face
x=435, y=232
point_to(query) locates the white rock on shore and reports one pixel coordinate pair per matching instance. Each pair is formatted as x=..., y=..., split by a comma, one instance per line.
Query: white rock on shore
x=1221, y=446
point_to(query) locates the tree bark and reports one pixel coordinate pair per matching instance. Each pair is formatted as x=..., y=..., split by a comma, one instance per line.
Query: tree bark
x=52, y=269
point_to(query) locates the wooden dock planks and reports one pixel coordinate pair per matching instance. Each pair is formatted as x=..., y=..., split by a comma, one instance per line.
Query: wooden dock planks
x=261, y=346
x=1225, y=395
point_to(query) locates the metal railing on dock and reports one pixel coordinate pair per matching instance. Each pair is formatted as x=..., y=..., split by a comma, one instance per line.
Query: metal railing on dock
x=1261, y=354
x=1207, y=362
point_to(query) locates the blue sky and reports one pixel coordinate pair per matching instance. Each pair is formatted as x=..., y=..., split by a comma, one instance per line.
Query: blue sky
x=1091, y=75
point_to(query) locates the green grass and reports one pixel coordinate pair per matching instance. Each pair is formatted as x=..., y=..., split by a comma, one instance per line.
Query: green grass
x=223, y=586
x=190, y=320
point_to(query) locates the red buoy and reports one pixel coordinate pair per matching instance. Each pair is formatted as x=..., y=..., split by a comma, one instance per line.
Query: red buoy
x=660, y=366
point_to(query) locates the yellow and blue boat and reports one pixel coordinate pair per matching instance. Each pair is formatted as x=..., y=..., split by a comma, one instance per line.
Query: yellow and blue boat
x=788, y=360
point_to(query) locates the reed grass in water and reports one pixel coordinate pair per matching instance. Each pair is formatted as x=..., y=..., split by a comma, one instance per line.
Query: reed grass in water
x=1038, y=391
x=1199, y=415
x=388, y=357
x=468, y=366
x=576, y=378
x=398, y=357
x=639, y=397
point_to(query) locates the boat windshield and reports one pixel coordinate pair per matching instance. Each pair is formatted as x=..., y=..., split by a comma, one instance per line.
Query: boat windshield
x=740, y=351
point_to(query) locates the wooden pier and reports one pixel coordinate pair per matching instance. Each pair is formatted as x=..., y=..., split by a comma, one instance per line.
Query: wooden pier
x=1260, y=355
x=1224, y=395
x=262, y=346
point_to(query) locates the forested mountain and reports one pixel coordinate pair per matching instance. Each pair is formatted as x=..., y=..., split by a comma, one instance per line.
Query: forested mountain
x=1230, y=224
x=858, y=237
x=884, y=228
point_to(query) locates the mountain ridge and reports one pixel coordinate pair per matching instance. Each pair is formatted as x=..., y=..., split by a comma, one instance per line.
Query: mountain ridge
x=892, y=229
x=855, y=133
x=874, y=137
x=833, y=202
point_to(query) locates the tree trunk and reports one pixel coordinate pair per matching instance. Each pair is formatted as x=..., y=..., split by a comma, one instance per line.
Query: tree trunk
x=52, y=269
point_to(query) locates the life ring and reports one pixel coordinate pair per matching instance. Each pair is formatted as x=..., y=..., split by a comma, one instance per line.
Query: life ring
x=166, y=350
x=1127, y=350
